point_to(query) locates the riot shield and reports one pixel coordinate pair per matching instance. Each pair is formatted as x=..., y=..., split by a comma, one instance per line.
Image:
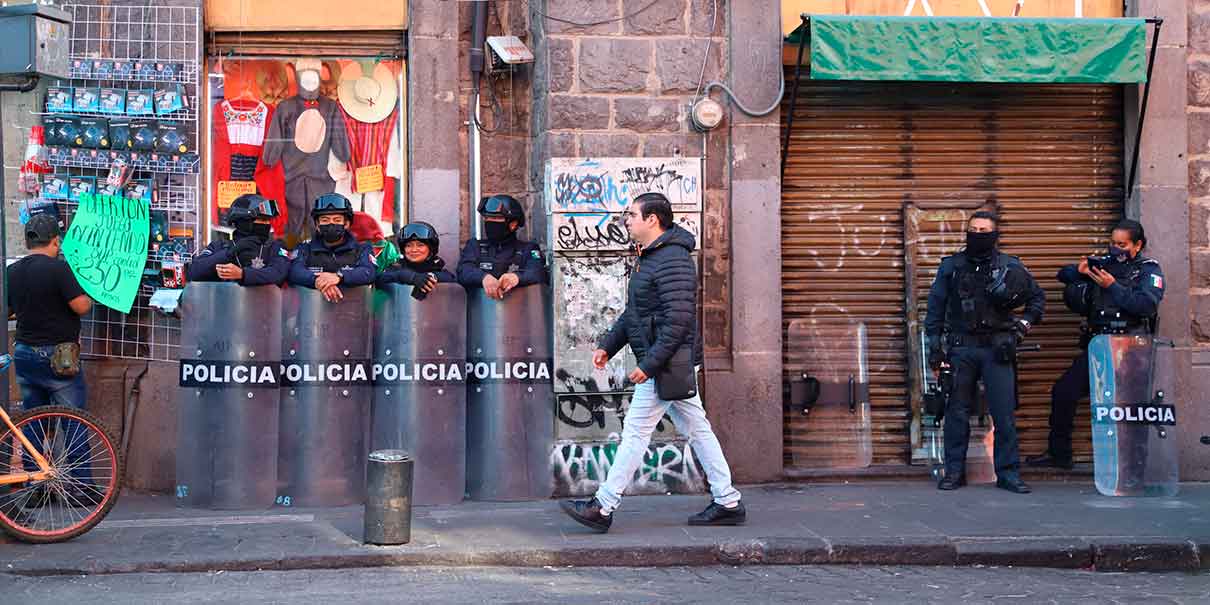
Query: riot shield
x=227, y=422
x=510, y=399
x=419, y=387
x=1133, y=429
x=325, y=398
x=936, y=389
x=834, y=431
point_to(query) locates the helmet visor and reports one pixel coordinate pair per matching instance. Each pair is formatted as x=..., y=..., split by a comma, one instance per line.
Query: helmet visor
x=417, y=231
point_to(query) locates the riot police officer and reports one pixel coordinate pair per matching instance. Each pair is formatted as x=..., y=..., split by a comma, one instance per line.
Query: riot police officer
x=252, y=258
x=971, y=302
x=501, y=262
x=1118, y=293
x=419, y=266
x=333, y=258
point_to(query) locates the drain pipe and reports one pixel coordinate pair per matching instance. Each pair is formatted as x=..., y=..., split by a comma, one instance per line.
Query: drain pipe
x=474, y=143
x=30, y=83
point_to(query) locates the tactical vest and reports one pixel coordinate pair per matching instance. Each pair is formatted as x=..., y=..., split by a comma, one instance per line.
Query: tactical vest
x=325, y=261
x=1105, y=317
x=972, y=303
x=489, y=264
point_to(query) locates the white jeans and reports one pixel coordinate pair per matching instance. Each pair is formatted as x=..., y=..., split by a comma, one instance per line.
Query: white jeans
x=689, y=417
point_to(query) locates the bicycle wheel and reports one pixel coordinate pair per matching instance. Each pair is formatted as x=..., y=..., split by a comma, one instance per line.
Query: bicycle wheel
x=87, y=471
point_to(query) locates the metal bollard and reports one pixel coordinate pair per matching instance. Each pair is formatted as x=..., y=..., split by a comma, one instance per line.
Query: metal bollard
x=388, y=514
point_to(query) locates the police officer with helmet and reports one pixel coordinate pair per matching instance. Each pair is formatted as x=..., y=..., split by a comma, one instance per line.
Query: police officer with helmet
x=1117, y=293
x=419, y=266
x=333, y=258
x=971, y=302
x=501, y=262
x=252, y=258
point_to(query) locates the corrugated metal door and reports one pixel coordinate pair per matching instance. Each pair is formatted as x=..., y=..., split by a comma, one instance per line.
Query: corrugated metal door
x=879, y=178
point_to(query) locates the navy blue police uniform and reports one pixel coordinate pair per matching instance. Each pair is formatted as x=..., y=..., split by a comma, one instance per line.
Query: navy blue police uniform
x=982, y=335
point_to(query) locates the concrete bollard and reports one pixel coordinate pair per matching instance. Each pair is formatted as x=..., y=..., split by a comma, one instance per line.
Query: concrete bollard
x=388, y=513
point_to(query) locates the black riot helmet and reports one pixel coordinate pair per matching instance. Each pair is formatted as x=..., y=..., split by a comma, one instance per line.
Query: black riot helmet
x=332, y=203
x=420, y=232
x=1010, y=287
x=250, y=207
x=1077, y=296
x=505, y=206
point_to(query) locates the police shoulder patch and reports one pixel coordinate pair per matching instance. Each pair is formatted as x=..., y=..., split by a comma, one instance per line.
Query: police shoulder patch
x=282, y=252
x=206, y=252
x=535, y=253
x=1157, y=281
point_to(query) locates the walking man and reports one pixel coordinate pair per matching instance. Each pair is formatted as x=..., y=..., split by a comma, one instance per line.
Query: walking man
x=660, y=318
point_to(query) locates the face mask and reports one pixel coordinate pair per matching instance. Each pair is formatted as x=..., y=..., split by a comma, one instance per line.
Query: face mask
x=257, y=230
x=331, y=234
x=496, y=231
x=1119, y=254
x=980, y=244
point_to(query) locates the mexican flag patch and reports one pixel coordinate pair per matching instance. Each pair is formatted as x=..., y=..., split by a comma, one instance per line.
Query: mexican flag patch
x=1157, y=282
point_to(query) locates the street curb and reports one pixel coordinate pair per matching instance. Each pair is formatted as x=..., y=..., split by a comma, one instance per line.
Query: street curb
x=1062, y=553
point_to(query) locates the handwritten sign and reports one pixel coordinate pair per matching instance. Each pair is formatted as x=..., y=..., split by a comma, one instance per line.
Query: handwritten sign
x=106, y=246
x=229, y=190
x=369, y=178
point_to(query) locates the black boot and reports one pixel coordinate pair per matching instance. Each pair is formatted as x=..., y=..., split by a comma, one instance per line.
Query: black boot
x=951, y=481
x=588, y=514
x=1048, y=459
x=716, y=514
x=1013, y=484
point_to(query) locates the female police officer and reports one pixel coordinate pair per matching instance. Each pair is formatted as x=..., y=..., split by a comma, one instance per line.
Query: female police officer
x=419, y=266
x=1118, y=293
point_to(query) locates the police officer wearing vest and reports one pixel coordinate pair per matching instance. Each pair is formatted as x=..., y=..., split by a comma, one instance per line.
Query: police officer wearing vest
x=1118, y=293
x=501, y=262
x=971, y=303
x=419, y=266
x=333, y=258
x=252, y=258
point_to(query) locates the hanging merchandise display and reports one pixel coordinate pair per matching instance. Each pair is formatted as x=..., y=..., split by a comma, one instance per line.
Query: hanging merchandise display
x=303, y=130
x=123, y=129
x=292, y=130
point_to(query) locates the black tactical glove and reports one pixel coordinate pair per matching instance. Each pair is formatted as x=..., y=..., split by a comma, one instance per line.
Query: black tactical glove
x=1021, y=329
x=935, y=357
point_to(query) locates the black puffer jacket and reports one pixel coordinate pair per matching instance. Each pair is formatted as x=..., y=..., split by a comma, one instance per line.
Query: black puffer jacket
x=663, y=289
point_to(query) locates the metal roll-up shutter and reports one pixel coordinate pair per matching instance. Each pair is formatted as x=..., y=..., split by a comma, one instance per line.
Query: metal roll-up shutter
x=292, y=44
x=878, y=182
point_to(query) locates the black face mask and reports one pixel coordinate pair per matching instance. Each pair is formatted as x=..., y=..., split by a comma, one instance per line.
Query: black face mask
x=252, y=229
x=1119, y=254
x=496, y=231
x=331, y=234
x=981, y=244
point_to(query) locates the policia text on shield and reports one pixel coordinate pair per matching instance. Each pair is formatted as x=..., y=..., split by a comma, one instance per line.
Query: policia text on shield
x=971, y=327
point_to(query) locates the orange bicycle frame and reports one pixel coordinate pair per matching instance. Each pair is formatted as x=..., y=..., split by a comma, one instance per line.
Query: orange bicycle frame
x=45, y=471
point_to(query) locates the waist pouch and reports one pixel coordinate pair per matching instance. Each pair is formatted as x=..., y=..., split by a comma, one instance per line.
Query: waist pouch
x=65, y=361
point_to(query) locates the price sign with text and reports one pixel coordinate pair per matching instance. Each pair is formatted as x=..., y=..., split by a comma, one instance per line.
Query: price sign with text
x=106, y=246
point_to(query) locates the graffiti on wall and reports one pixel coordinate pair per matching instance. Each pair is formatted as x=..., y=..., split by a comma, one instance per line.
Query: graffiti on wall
x=597, y=417
x=579, y=468
x=607, y=185
x=605, y=232
x=589, y=293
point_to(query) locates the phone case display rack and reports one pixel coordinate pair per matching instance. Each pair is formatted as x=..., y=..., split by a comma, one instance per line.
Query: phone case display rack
x=166, y=40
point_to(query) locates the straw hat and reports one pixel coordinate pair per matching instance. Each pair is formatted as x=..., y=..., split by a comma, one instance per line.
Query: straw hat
x=367, y=99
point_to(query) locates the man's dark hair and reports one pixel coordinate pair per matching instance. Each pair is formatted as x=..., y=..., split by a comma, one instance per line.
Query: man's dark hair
x=655, y=203
x=986, y=214
x=1134, y=229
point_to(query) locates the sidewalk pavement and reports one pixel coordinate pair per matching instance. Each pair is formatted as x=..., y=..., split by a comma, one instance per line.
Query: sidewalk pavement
x=1065, y=525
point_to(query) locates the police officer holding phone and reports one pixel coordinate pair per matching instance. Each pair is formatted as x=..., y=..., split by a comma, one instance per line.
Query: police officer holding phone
x=971, y=302
x=419, y=266
x=1117, y=293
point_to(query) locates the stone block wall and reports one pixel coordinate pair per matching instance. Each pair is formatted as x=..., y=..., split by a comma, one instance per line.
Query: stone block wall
x=622, y=89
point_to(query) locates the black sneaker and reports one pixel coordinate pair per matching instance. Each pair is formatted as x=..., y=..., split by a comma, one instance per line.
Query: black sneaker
x=1013, y=484
x=951, y=482
x=716, y=514
x=1048, y=459
x=588, y=514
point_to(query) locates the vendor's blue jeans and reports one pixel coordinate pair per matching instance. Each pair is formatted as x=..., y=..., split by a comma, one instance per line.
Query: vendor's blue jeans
x=40, y=386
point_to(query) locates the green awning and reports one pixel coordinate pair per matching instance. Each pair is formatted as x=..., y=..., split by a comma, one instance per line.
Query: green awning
x=976, y=49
